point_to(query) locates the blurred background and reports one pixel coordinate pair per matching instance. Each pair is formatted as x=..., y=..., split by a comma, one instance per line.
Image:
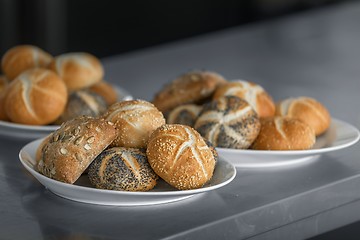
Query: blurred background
x=110, y=27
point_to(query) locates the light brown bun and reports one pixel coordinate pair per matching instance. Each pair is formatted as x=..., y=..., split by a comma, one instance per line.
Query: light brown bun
x=123, y=169
x=307, y=110
x=82, y=102
x=36, y=97
x=228, y=122
x=73, y=146
x=78, y=70
x=4, y=83
x=180, y=156
x=192, y=87
x=106, y=90
x=184, y=114
x=135, y=120
x=23, y=57
x=284, y=133
x=253, y=93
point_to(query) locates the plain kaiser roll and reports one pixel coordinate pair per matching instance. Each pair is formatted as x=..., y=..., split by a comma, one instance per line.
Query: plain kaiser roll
x=191, y=87
x=36, y=97
x=284, y=133
x=23, y=57
x=307, y=110
x=135, y=120
x=180, y=156
x=253, y=93
x=67, y=153
x=78, y=70
x=228, y=122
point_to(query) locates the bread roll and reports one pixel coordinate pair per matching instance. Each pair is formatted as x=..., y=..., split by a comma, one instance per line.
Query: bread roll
x=284, y=133
x=23, y=57
x=122, y=169
x=82, y=102
x=4, y=82
x=228, y=122
x=36, y=97
x=135, y=120
x=78, y=70
x=106, y=90
x=184, y=114
x=307, y=110
x=180, y=156
x=192, y=87
x=253, y=93
x=74, y=146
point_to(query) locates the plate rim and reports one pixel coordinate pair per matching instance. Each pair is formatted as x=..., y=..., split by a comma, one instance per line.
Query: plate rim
x=180, y=193
x=301, y=152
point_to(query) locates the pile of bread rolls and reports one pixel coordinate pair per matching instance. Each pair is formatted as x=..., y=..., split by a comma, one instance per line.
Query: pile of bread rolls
x=240, y=114
x=127, y=148
x=39, y=89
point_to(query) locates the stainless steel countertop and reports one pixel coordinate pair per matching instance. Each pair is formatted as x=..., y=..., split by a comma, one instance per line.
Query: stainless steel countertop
x=315, y=53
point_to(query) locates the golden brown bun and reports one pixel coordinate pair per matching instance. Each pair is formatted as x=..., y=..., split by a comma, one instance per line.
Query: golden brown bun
x=39, y=150
x=106, y=90
x=23, y=57
x=192, y=87
x=74, y=146
x=78, y=70
x=4, y=83
x=184, y=114
x=36, y=97
x=82, y=102
x=284, y=133
x=124, y=169
x=228, y=122
x=253, y=93
x=180, y=156
x=307, y=110
x=135, y=120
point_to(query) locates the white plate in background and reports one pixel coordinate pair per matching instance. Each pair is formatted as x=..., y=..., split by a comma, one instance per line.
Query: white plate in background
x=339, y=135
x=82, y=191
x=30, y=132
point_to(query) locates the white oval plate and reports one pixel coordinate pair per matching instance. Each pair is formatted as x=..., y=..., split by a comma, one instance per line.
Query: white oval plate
x=82, y=191
x=339, y=135
x=22, y=131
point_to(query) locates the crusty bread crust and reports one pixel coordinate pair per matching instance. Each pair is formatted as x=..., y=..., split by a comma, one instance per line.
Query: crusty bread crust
x=78, y=70
x=192, y=87
x=307, y=110
x=284, y=133
x=36, y=97
x=135, y=120
x=23, y=57
x=180, y=156
x=72, y=147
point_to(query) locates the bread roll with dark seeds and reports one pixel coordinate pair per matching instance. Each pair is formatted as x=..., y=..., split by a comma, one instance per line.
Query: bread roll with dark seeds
x=106, y=90
x=135, y=120
x=184, y=114
x=307, y=110
x=180, y=156
x=73, y=146
x=124, y=169
x=284, y=133
x=228, y=122
x=82, y=102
